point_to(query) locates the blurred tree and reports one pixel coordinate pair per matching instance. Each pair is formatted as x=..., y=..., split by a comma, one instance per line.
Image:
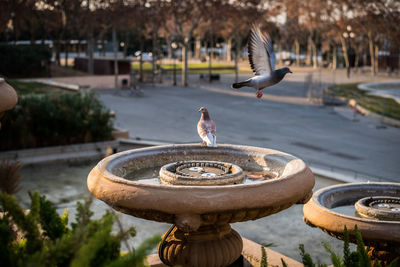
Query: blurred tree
x=186, y=16
x=241, y=15
x=320, y=27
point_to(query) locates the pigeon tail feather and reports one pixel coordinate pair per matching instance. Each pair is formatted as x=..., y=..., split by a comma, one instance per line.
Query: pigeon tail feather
x=210, y=140
x=240, y=84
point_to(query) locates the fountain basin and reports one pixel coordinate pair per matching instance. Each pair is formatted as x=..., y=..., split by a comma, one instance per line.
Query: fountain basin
x=377, y=233
x=229, y=203
x=201, y=214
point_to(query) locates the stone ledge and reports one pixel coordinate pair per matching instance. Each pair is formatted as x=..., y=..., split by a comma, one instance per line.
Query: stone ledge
x=54, y=154
x=67, y=86
x=251, y=257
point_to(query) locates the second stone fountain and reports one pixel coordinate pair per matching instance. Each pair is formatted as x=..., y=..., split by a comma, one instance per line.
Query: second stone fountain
x=200, y=191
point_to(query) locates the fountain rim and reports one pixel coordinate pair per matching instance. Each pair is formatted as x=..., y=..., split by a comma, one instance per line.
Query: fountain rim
x=321, y=193
x=103, y=166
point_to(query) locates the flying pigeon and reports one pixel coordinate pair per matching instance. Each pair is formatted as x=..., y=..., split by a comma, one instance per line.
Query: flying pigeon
x=206, y=128
x=262, y=62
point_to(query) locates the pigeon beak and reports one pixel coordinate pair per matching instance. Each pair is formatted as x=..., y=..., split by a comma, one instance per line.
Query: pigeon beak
x=199, y=110
x=290, y=71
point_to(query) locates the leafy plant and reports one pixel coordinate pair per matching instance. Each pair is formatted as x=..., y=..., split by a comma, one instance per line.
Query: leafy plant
x=41, y=237
x=357, y=258
x=55, y=119
x=264, y=259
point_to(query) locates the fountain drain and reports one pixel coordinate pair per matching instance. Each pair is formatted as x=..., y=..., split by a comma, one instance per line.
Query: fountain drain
x=379, y=208
x=201, y=173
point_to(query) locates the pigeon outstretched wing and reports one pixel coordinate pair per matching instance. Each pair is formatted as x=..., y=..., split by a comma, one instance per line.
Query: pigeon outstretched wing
x=261, y=53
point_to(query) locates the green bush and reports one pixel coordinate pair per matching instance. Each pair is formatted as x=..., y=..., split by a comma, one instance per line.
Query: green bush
x=357, y=258
x=55, y=119
x=24, y=60
x=41, y=237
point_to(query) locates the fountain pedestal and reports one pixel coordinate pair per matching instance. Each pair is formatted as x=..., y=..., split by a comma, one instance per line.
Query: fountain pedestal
x=211, y=245
x=201, y=213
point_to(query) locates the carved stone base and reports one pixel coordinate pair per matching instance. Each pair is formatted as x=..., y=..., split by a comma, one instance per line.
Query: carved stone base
x=209, y=246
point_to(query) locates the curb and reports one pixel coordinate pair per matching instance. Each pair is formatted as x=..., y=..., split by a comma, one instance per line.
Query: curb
x=342, y=176
x=67, y=86
x=386, y=120
x=69, y=153
x=367, y=87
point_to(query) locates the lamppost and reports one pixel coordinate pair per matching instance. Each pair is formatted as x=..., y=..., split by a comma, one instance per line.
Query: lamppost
x=174, y=46
x=347, y=35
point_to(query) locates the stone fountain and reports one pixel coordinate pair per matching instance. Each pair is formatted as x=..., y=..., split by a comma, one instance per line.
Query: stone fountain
x=373, y=207
x=8, y=97
x=201, y=190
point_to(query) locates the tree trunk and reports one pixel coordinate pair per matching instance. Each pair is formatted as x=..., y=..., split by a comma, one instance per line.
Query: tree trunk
x=169, y=48
x=115, y=48
x=229, y=50
x=356, y=60
x=371, y=53
x=345, y=52
x=197, y=51
x=280, y=62
x=90, y=44
x=237, y=52
x=398, y=63
x=297, y=45
x=377, y=58
x=315, y=55
x=103, y=48
x=309, y=51
x=90, y=47
x=66, y=52
x=58, y=47
x=334, y=58
x=153, y=59
x=185, y=48
x=126, y=43
x=141, y=60
x=78, y=49
x=205, y=49
x=211, y=58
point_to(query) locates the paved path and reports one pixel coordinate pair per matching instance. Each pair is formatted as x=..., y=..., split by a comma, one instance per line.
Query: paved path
x=283, y=119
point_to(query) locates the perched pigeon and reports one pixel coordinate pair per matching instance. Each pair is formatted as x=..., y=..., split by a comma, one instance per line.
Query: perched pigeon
x=206, y=128
x=262, y=62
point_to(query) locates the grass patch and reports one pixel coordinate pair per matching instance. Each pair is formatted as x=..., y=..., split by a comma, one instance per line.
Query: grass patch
x=197, y=68
x=372, y=103
x=26, y=88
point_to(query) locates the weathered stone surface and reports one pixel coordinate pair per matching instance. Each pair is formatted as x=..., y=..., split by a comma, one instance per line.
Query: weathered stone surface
x=201, y=213
x=8, y=97
x=382, y=235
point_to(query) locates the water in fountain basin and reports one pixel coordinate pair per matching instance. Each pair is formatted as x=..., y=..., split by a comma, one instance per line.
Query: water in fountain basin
x=348, y=210
x=151, y=176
